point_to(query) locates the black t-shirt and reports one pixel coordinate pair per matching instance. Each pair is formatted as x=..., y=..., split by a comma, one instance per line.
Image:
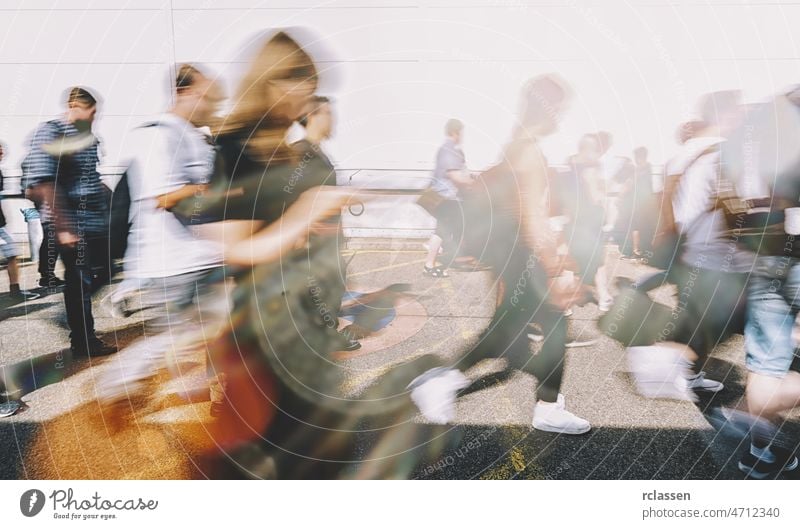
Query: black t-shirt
x=285, y=307
x=257, y=191
x=321, y=172
x=307, y=151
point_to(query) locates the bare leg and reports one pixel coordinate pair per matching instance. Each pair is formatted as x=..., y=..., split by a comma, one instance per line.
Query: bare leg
x=768, y=396
x=601, y=286
x=434, y=244
x=13, y=271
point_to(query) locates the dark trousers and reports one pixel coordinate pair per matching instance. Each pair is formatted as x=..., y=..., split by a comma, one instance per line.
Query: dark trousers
x=711, y=307
x=450, y=227
x=524, y=302
x=86, y=270
x=48, y=251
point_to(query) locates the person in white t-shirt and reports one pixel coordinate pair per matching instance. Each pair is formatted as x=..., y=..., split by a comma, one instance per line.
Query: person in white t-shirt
x=179, y=272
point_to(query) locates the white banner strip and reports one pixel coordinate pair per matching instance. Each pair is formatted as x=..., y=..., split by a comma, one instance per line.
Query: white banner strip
x=314, y=504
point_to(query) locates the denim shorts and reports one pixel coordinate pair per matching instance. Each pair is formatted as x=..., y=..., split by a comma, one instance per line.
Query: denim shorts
x=773, y=301
x=8, y=246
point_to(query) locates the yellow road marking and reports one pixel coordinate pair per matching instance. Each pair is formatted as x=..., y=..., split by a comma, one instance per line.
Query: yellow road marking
x=352, y=252
x=517, y=459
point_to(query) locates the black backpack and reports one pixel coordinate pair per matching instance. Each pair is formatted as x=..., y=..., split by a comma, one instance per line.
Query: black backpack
x=119, y=225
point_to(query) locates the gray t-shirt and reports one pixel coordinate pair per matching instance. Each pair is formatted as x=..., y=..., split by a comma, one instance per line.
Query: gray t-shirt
x=450, y=157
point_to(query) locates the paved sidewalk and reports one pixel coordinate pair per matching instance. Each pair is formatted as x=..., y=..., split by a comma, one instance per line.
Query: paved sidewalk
x=632, y=437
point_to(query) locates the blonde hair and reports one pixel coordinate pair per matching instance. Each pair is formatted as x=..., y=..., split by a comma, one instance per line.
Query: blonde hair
x=256, y=111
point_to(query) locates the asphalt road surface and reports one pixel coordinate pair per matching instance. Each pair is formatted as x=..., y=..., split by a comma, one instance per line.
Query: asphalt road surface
x=57, y=433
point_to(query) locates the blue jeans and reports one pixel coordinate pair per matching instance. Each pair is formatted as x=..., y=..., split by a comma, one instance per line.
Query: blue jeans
x=772, y=305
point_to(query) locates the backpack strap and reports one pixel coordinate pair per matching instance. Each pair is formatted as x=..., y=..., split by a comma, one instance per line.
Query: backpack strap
x=666, y=220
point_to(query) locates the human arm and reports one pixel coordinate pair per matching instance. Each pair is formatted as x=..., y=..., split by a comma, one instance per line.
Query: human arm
x=531, y=168
x=461, y=177
x=275, y=240
x=40, y=170
x=451, y=160
x=170, y=199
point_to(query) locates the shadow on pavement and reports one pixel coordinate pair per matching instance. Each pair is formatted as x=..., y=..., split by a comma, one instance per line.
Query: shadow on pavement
x=501, y=452
x=10, y=310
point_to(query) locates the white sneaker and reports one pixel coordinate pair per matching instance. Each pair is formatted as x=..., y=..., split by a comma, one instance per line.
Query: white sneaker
x=605, y=305
x=535, y=337
x=699, y=382
x=572, y=344
x=434, y=392
x=553, y=417
x=660, y=372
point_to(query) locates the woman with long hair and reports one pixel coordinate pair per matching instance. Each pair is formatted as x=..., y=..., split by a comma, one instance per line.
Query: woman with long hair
x=514, y=238
x=283, y=412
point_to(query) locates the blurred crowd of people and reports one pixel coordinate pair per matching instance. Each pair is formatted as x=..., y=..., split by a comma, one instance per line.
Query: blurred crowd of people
x=231, y=238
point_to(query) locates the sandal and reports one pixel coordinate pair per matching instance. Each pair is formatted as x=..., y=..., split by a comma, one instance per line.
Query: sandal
x=435, y=271
x=633, y=256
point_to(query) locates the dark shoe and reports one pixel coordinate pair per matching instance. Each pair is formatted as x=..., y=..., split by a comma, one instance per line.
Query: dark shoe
x=756, y=468
x=94, y=348
x=7, y=409
x=24, y=295
x=352, y=345
x=51, y=282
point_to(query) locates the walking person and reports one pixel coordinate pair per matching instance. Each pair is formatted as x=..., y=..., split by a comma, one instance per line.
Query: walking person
x=178, y=272
x=768, y=179
x=582, y=197
x=318, y=123
x=708, y=267
x=449, y=176
x=533, y=280
x=9, y=251
x=61, y=171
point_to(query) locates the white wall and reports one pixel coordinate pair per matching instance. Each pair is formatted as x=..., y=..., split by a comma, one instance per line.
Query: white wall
x=636, y=66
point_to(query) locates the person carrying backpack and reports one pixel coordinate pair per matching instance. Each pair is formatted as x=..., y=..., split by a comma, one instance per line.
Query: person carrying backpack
x=535, y=283
x=693, y=245
x=711, y=269
x=178, y=271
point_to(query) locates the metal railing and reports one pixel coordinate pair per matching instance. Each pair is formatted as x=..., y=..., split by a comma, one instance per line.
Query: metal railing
x=364, y=219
